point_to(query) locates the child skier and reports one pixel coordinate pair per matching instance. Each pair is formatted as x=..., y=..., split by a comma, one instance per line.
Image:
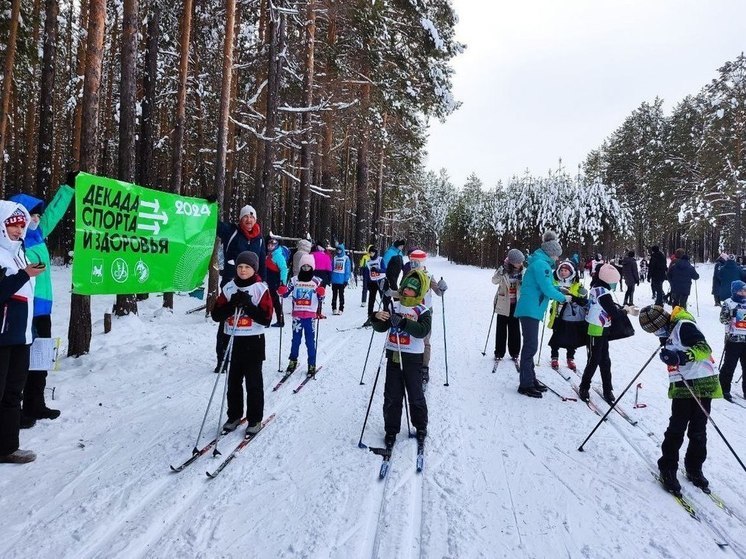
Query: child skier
x=307, y=292
x=341, y=271
x=692, y=377
x=246, y=297
x=375, y=277
x=602, y=310
x=733, y=315
x=508, y=328
x=567, y=320
x=407, y=321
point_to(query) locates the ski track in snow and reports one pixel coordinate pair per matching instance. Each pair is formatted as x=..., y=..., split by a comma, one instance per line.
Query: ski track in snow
x=502, y=475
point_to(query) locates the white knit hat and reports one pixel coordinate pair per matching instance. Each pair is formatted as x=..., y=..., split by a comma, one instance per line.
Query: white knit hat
x=247, y=210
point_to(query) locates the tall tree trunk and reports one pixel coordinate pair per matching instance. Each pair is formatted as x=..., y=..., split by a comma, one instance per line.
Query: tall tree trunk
x=31, y=108
x=178, y=143
x=146, y=143
x=10, y=56
x=271, y=132
x=378, y=208
x=46, y=100
x=127, y=304
x=222, y=143
x=362, y=221
x=79, y=71
x=304, y=203
x=79, y=330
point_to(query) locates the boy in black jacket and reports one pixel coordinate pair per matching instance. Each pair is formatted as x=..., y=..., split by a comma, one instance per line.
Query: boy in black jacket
x=245, y=308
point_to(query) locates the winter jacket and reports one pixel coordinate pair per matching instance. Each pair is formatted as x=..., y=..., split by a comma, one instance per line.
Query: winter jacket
x=302, y=247
x=657, y=266
x=36, y=247
x=537, y=287
x=322, y=265
x=393, y=262
x=277, y=268
x=630, y=272
x=341, y=267
x=574, y=311
x=234, y=243
x=503, y=277
x=699, y=369
x=362, y=264
x=716, y=277
x=680, y=276
x=729, y=272
x=16, y=288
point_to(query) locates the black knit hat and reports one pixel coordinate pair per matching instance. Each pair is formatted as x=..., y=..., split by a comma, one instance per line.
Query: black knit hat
x=250, y=258
x=653, y=318
x=400, y=243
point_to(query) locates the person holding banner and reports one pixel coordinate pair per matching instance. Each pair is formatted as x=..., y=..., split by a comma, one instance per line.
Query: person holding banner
x=43, y=222
x=244, y=309
x=17, y=299
x=246, y=236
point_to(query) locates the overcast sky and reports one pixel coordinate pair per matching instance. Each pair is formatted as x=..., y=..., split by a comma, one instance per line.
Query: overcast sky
x=544, y=79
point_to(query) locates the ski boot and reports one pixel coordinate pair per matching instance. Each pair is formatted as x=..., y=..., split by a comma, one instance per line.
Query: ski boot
x=609, y=397
x=727, y=396
x=584, y=394
x=335, y=312
x=389, y=440
x=254, y=428
x=530, y=392
x=698, y=480
x=571, y=364
x=311, y=371
x=229, y=425
x=516, y=363
x=540, y=386
x=555, y=364
x=292, y=365
x=421, y=434
x=669, y=481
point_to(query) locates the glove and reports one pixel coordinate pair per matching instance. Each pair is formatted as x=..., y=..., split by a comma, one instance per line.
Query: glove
x=320, y=291
x=631, y=310
x=211, y=198
x=241, y=299
x=582, y=301
x=568, y=298
x=283, y=290
x=673, y=358
x=395, y=320
x=442, y=285
x=70, y=178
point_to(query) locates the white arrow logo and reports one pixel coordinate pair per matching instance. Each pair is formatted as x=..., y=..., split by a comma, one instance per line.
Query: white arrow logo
x=155, y=228
x=155, y=206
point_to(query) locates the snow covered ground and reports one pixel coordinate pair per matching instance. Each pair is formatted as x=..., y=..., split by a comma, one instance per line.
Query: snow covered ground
x=502, y=477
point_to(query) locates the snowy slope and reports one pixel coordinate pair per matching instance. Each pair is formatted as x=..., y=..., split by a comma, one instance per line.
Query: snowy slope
x=502, y=478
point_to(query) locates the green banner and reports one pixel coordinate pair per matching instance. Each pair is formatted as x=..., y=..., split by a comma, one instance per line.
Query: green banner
x=130, y=239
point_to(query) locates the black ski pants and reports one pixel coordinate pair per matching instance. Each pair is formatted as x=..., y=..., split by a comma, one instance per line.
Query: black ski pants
x=679, y=300
x=685, y=413
x=734, y=352
x=598, y=357
x=13, y=370
x=507, y=329
x=246, y=366
x=36, y=382
x=555, y=352
x=338, y=290
x=373, y=288
x=277, y=304
x=629, y=295
x=401, y=382
x=657, y=288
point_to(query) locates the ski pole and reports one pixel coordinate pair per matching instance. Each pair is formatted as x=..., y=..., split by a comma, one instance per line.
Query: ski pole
x=709, y=417
x=372, y=333
x=739, y=378
x=279, y=349
x=236, y=318
x=541, y=343
x=370, y=402
x=696, y=296
x=484, y=351
x=445, y=340
x=318, y=321
x=228, y=349
x=725, y=341
x=637, y=392
x=580, y=448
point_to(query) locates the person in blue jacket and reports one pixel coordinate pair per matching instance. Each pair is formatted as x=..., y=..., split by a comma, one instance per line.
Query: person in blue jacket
x=238, y=238
x=393, y=263
x=341, y=272
x=43, y=221
x=726, y=274
x=536, y=291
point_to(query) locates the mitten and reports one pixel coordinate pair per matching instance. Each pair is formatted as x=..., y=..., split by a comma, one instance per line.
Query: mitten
x=283, y=290
x=240, y=298
x=395, y=320
x=673, y=358
x=320, y=291
x=70, y=179
x=442, y=285
x=211, y=198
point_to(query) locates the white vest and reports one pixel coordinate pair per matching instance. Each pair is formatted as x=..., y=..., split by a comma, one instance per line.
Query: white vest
x=375, y=264
x=399, y=339
x=304, y=294
x=246, y=325
x=737, y=324
x=692, y=369
x=596, y=313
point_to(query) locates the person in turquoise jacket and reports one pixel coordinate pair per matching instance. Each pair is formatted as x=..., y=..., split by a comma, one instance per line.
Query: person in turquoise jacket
x=341, y=272
x=43, y=222
x=536, y=291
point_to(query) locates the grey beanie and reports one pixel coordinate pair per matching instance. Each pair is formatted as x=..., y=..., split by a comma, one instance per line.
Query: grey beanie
x=515, y=257
x=250, y=258
x=551, y=245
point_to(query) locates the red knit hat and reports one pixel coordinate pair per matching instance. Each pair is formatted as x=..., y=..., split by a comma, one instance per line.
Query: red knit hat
x=417, y=255
x=16, y=218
